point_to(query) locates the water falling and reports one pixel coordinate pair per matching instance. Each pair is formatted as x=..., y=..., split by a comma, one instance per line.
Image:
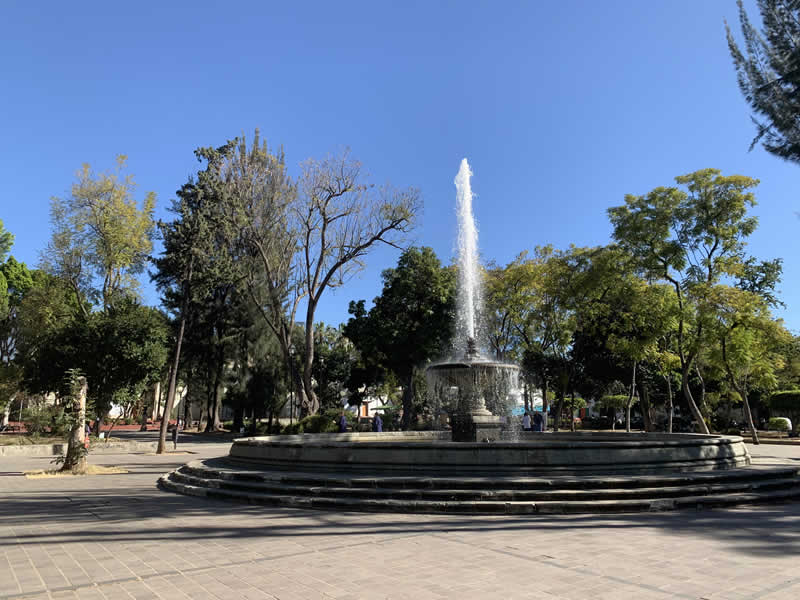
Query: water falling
x=469, y=288
x=469, y=382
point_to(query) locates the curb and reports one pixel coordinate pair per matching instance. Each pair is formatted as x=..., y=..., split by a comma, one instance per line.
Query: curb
x=61, y=448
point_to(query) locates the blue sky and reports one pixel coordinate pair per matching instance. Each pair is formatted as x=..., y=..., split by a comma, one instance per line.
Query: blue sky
x=561, y=107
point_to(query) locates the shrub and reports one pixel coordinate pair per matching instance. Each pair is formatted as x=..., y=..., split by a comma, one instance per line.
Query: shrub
x=596, y=423
x=292, y=428
x=778, y=424
x=786, y=404
x=325, y=422
x=36, y=419
x=41, y=418
x=391, y=418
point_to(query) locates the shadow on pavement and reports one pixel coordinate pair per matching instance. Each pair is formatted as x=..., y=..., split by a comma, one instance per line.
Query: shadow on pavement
x=137, y=514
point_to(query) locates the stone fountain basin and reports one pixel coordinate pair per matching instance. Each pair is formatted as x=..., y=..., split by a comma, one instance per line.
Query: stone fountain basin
x=432, y=454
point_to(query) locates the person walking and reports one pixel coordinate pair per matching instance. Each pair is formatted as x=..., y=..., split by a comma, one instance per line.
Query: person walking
x=343, y=423
x=175, y=434
x=377, y=424
x=526, y=421
x=538, y=422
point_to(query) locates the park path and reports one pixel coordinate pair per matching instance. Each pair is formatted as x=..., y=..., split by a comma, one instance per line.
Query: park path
x=118, y=536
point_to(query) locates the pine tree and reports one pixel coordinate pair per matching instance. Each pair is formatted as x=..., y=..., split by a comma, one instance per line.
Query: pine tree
x=769, y=74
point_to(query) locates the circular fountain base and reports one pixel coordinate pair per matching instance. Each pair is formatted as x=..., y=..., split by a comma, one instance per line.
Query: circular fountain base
x=432, y=453
x=543, y=473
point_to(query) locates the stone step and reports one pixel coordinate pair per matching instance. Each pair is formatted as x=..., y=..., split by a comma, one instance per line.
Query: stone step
x=225, y=470
x=497, y=492
x=486, y=506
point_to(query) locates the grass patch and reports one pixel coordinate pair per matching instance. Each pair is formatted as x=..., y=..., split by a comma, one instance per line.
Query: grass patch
x=92, y=470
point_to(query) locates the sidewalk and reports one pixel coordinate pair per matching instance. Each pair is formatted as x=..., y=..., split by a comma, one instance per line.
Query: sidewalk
x=118, y=536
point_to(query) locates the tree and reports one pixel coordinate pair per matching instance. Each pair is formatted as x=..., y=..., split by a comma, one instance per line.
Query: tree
x=121, y=352
x=15, y=281
x=306, y=238
x=6, y=241
x=411, y=322
x=528, y=304
x=75, y=457
x=749, y=343
x=615, y=403
x=340, y=218
x=769, y=74
x=690, y=239
x=101, y=239
x=195, y=262
x=258, y=201
x=335, y=356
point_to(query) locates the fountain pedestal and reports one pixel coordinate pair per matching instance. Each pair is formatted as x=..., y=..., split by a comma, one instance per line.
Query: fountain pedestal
x=471, y=427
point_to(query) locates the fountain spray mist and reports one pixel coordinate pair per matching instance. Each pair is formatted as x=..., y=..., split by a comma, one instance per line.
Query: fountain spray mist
x=469, y=289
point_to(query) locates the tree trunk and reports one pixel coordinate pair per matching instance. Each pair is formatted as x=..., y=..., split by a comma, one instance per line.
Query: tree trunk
x=156, y=401
x=572, y=411
x=7, y=411
x=644, y=398
x=748, y=415
x=187, y=411
x=75, y=460
x=219, y=391
x=310, y=400
x=408, y=401
x=668, y=379
x=630, y=400
x=559, y=408
x=544, y=403
x=702, y=402
x=238, y=419
x=687, y=393
x=173, y=378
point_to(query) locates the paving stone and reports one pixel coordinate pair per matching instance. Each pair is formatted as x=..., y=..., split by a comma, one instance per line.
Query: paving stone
x=151, y=544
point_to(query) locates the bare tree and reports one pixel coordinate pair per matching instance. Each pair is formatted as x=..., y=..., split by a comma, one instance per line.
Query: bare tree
x=339, y=218
x=295, y=241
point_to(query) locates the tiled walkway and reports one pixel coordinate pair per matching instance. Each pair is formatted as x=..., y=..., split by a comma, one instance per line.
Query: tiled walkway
x=118, y=536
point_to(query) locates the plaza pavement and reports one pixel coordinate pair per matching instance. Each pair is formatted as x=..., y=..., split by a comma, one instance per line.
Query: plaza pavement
x=119, y=537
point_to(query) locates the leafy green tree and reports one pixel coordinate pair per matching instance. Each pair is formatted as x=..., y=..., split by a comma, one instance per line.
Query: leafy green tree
x=15, y=281
x=18, y=280
x=529, y=304
x=690, y=239
x=749, y=344
x=789, y=375
x=614, y=403
x=122, y=352
x=196, y=273
x=335, y=356
x=6, y=241
x=411, y=321
x=101, y=239
x=508, y=297
x=768, y=71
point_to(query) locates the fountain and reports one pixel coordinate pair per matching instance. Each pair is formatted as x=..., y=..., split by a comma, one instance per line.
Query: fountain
x=441, y=471
x=469, y=377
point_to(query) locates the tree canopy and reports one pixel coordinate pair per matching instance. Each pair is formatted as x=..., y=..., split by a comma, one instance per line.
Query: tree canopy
x=768, y=70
